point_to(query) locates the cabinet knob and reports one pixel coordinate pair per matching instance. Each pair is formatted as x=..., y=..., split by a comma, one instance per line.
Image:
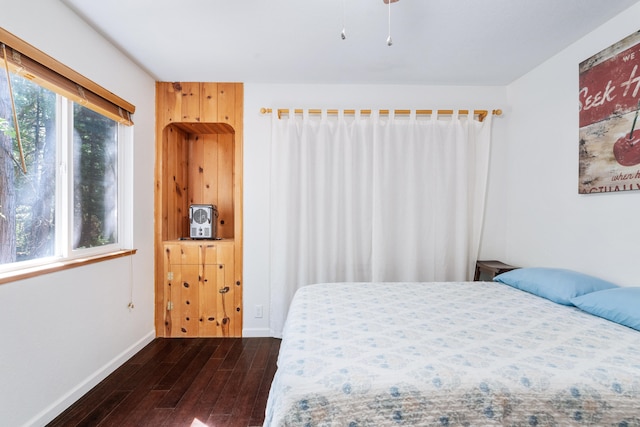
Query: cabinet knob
x=238, y=283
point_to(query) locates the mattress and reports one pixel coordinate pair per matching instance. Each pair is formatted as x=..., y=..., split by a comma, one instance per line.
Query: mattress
x=450, y=354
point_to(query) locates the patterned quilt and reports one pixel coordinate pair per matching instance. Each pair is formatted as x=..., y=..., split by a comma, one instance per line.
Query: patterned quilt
x=450, y=354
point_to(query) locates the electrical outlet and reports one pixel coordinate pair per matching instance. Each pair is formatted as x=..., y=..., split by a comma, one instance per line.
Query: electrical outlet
x=259, y=311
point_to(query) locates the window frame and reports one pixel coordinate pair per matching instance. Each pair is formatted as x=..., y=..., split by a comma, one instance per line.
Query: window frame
x=65, y=254
x=57, y=77
x=52, y=267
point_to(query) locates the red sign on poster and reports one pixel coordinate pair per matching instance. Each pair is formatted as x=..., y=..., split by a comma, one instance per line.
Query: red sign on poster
x=609, y=128
x=610, y=87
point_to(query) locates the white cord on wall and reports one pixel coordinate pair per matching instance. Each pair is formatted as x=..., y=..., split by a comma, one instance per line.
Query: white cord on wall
x=131, y=306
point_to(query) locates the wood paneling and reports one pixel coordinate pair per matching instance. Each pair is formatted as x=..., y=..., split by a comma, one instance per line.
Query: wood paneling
x=210, y=103
x=191, y=103
x=199, y=160
x=175, y=184
x=201, y=298
x=224, y=187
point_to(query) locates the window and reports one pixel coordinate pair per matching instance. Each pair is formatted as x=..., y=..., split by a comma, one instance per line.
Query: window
x=62, y=189
x=95, y=179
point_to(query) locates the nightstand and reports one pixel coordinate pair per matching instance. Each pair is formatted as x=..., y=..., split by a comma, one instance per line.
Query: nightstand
x=487, y=270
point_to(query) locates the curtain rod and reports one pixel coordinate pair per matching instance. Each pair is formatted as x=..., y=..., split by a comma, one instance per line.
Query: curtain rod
x=480, y=113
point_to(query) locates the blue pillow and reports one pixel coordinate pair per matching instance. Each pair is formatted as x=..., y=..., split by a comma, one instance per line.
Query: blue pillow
x=555, y=284
x=620, y=305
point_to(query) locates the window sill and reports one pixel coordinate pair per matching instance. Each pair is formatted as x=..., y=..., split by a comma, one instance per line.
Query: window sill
x=26, y=273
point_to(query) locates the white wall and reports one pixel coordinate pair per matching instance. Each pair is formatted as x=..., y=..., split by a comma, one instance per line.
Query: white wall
x=548, y=222
x=61, y=333
x=257, y=129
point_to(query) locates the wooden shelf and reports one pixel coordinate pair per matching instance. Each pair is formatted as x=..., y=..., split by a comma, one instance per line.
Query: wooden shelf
x=205, y=128
x=200, y=241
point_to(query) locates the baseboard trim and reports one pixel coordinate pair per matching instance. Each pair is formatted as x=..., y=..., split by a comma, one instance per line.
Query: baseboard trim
x=56, y=408
x=256, y=332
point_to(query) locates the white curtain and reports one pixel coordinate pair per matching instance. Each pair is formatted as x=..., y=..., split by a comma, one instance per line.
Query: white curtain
x=374, y=198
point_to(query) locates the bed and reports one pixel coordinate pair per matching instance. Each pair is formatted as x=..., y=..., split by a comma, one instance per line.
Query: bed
x=450, y=354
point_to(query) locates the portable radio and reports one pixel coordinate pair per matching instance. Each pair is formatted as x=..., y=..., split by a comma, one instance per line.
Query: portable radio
x=202, y=221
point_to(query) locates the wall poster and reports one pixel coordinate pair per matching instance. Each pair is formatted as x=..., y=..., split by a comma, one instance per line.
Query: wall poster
x=609, y=124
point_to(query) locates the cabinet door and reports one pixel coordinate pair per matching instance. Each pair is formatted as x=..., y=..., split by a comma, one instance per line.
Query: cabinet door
x=210, y=317
x=185, y=297
x=218, y=295
x=231, y=325
x=201, y=298
x=182, y=277
x=233, y=292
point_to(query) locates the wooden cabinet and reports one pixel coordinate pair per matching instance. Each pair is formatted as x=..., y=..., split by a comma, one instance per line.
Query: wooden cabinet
x=198, y=161
x=201, y=296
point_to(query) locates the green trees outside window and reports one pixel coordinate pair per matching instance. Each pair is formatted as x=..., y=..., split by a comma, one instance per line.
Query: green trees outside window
x=67, y=198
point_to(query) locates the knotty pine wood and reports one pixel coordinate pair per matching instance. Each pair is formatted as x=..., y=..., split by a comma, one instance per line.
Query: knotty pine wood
x=209, y=154
x=201, y=297
x=226, y=198
x=199, y=153
x=176, y=381
x=205, y=128
x=175, y=186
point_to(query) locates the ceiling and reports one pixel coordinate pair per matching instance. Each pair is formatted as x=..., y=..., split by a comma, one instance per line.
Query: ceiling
x=435, y=42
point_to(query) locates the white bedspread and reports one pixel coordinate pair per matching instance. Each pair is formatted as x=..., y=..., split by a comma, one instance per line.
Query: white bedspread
x=450, y=354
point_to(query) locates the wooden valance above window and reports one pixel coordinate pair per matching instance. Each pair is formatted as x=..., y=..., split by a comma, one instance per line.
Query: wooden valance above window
x=33, y=64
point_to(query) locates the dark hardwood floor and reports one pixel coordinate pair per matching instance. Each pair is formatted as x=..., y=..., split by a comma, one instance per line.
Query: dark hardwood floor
x=183, y=382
